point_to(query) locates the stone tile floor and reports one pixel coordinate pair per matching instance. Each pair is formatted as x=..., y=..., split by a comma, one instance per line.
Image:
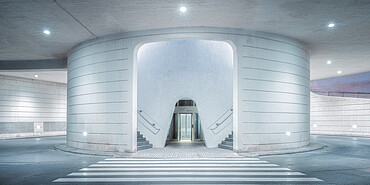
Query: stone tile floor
x=185, y=150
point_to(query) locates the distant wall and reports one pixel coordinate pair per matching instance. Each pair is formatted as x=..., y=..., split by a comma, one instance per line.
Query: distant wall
x=338, y=115
x=31, y=107
x=350, y=83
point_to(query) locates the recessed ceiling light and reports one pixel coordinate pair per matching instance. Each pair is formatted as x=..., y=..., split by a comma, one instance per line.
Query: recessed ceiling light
x=331, y=25
x=339, y=72
x=287, y=133
x=183, y=9
x=36, y=76
x=328, y=62
x=46, y=32
x=84, y=133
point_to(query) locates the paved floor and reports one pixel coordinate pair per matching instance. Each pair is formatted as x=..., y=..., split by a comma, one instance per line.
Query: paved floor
x=34, y=161
x=193, y=170
x=185, y=150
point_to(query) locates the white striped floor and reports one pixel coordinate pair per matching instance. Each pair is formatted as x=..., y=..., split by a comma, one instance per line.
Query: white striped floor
x=230, y=170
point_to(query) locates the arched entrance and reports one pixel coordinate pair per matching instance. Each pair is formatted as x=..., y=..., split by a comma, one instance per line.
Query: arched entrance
x=185, y=124
x=168, y=71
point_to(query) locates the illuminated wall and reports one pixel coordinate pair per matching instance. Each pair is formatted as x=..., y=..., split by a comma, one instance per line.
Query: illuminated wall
x=196, y=69
x=271, y=94
x=31, y=107
x=340, y=115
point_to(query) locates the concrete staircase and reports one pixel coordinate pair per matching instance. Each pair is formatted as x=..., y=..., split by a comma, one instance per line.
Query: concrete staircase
x=227, y=143
x=142, y=143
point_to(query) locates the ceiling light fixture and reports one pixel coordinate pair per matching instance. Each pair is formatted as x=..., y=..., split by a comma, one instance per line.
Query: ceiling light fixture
x=287, y=133
x=328, y=62
x=46, y=32
x=339, y=72
x=331, y=25
x=183, y=9
x=84, y=133
x=36, y=76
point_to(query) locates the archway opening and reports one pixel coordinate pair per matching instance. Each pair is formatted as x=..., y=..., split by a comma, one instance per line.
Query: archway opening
x=185, y=124
x=167, y=71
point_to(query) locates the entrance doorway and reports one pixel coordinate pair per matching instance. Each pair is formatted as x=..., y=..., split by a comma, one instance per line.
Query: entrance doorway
x=171, y=72
x=185, y=124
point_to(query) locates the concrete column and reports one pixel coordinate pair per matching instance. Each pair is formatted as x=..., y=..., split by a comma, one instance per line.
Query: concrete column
x=270, y=89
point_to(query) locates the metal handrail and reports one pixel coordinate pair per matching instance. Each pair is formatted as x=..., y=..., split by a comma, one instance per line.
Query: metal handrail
x=218, y=123
x=143, y=115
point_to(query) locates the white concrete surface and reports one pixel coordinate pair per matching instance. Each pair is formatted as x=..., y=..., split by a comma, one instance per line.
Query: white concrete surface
x=346, y=44
x=31, y=107
x=270, y=91
x=340, y=115
x=194, y=69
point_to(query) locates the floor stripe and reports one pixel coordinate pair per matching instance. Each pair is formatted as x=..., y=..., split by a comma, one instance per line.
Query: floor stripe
x=179, y=165
x=187, y=179
x=185, y=169
x=186, y=159
x=180, y=162
x=209, y=174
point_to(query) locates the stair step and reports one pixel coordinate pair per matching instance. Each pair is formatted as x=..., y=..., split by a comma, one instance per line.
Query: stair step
x=141, y=143
x=229, y=139
x=141, y=139
x=143, y=147
x=227, y=147
x=227, y=143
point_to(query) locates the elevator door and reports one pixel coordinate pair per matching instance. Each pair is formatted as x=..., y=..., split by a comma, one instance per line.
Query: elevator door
x=185, y=127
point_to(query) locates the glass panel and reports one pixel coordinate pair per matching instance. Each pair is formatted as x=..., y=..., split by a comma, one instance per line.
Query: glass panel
x=185, y=125
x=176, y=127
x=196, y=135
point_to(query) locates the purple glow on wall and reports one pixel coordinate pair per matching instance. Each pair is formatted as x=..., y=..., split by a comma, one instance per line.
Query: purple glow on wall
x=350, y=83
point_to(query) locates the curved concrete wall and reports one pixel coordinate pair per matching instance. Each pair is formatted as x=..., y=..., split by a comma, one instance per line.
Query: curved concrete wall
x=196, y=69
x=338, y=115
x=270, y=89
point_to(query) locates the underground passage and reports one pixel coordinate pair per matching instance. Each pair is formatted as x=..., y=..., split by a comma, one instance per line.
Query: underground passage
x=190, y=92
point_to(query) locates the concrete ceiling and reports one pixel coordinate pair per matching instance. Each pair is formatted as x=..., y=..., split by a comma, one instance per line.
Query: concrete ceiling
x=72, y=22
